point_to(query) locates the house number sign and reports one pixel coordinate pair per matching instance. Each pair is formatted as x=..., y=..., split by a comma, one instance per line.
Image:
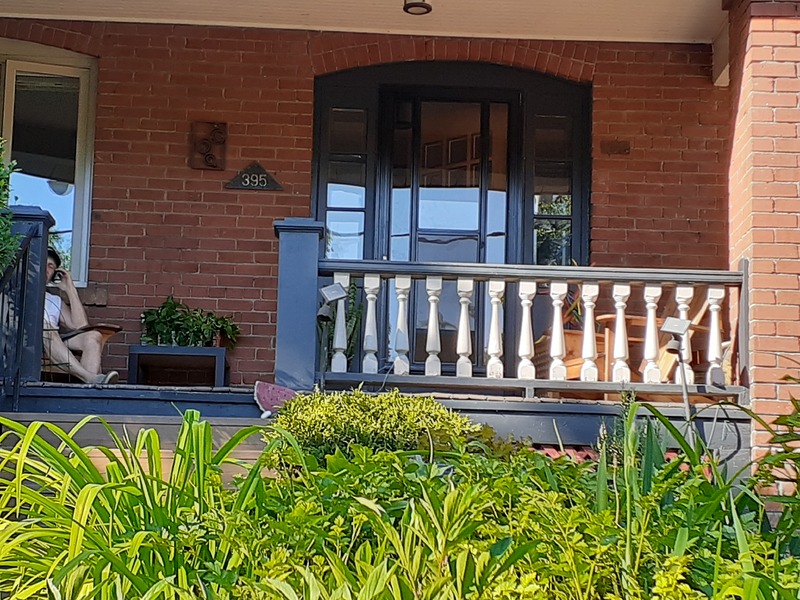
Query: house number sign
x=253, y=177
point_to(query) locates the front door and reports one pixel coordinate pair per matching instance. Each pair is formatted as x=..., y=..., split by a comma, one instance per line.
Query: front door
x=417, y=163
x=449, y=197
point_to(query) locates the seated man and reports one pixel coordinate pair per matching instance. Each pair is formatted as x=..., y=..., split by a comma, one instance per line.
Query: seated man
x=72, y=315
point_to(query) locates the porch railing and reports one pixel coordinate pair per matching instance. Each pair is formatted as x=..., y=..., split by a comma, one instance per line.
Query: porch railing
x=622, y=349
x=22, y=305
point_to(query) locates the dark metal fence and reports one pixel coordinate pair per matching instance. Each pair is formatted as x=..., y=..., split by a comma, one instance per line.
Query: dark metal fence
x=13, y=288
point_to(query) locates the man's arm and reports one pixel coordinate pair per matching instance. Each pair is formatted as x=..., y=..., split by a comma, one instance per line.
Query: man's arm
x=73, y=314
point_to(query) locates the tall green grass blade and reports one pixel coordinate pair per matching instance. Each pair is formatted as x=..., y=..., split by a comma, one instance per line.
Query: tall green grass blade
x=601, y=484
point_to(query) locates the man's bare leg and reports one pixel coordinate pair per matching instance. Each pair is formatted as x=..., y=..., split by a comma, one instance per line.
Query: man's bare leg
x=61, y=357
x=89, y=344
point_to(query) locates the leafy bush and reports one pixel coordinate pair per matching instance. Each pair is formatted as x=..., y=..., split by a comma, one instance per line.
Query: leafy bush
x=378, y=525
x=9, y=243
x=322, y=422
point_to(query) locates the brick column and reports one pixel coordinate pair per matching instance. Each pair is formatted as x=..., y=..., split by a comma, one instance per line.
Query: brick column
x=764, y=185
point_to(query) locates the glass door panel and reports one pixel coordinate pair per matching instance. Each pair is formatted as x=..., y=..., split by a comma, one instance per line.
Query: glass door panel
x=448, y=203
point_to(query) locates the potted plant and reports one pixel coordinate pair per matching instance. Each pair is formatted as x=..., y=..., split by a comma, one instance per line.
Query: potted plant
x=175, y=324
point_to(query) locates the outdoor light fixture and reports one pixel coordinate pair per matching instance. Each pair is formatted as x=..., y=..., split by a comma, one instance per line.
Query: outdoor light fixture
x=330, y=294
x=414, y=7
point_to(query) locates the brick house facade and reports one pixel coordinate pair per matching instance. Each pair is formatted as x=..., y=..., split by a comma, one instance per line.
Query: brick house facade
x=684, y=174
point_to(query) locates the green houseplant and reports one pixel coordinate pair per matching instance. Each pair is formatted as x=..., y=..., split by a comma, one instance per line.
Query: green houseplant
x=175, y=324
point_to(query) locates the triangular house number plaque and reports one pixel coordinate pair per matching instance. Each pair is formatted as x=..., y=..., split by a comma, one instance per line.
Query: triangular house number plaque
x=253, y=177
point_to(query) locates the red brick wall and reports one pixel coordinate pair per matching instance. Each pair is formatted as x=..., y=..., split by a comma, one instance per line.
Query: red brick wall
x=765, y=193
x=159, y=228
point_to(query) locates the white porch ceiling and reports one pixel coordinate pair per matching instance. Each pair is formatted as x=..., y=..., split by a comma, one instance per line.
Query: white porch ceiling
x=686, y=21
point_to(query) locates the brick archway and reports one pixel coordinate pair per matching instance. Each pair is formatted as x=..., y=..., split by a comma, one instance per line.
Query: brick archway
x=573, y=61
x=84, y=38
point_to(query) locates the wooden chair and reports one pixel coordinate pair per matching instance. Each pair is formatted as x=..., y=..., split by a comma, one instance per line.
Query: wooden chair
x=666, y=361
x=53, y=372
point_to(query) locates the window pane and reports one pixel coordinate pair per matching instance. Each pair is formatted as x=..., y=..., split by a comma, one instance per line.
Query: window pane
x=553, y=189
x=348, y=130
x=449, y=195
x=347, y=185
x=449, y=208
x=553, y=241
x=498, y=147
x=553, y=138
x=400, y=225
x=345, y=235
x=44, y=145
x=553, y=204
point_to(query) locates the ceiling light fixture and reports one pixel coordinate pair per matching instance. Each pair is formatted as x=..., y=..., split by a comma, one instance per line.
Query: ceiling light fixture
x=414, y=7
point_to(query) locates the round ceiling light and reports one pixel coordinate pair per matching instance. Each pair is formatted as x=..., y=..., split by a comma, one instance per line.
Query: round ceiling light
x=414, y=7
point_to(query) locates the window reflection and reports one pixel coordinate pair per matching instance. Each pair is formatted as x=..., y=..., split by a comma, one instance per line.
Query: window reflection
x=344, y=235
x=44, y=146
x=553, y=241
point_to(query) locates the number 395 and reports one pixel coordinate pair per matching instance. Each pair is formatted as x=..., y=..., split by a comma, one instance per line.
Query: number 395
x=255, y=180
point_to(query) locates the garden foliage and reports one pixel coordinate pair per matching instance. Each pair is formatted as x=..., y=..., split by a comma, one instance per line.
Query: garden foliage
x=9, y=242
x=364, y=523
x=322, y=422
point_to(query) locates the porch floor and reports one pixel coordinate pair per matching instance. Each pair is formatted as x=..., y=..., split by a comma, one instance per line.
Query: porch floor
x=122, y=399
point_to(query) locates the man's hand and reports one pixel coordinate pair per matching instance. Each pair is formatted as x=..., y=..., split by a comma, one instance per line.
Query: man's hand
x=63, y=280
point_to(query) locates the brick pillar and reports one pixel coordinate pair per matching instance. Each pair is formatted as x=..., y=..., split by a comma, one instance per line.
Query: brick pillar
x=764, y=186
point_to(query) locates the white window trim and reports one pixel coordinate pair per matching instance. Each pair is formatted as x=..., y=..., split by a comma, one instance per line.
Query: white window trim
x=84, y=151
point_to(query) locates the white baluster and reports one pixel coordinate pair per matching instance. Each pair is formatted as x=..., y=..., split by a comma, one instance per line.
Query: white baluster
x=494, y=368
x=402, y=287
x=683, y=297
x=433, y=364
x=715, y=375
x=558, y=370
x=652, y=373
x=526, y=369
x=372, y=285
x=464, y=345
x=339, y=359
x=589, y=371
x=621, y=372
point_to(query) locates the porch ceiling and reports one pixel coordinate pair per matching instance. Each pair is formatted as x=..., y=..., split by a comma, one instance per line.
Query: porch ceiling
x=686, y=21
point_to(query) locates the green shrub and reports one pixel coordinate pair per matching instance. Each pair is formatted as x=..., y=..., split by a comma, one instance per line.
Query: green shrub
x=322, y=422
x=9, y=243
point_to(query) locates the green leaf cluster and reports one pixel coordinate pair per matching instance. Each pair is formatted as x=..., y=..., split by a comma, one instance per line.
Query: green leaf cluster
x=175, y=324
x=453, y=523
x=324, y=422
x=9, y=242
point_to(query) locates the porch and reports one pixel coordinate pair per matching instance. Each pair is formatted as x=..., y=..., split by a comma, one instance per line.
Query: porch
x=517, y=386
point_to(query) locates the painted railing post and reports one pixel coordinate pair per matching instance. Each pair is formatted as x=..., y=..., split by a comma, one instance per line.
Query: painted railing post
x=621, y=372
x=526, y=368
x=339, y=359
x=652, y=374
x=558, y=370
x=402, y=286
x=494, y=368
x=465, y=289
x=715, y=375
x=683, y=297
x=372, y=286
x=589, y=370
x=26, y=219
x=433, y=364
x=298, y=301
